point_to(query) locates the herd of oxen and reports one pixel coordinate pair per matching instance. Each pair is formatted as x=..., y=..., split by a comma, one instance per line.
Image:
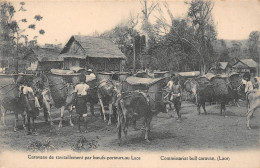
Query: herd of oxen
x=127, y=99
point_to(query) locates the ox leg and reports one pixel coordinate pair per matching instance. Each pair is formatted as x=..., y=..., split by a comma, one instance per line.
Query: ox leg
x=28, y=125
x=24, y=120
x=125, y=129
x=70, y=113
x=147, y=129
x=222, y=108
x=92, y=109
x=47, y=112
x=103, y=109
x=196, y=98
x=3, y=111
x=198, y=108
x=49, y=115
x=249, y=116
x=110, y=114
x=62, y=109
x=119, y=127
x=134, y=123
x=204, y=108
x=15, y=121
x=33, y=127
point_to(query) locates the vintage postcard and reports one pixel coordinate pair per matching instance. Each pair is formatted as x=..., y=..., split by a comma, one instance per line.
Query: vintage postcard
x=135, y=83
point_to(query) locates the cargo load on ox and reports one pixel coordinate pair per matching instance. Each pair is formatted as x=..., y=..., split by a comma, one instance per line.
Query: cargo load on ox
x=151, y=86
x=60, y=80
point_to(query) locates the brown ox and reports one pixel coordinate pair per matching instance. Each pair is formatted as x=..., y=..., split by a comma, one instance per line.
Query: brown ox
x=131, y=106
x=191, y=86
x=107, y=93
x=253, y=99
x=61, y=89
x=10, y=98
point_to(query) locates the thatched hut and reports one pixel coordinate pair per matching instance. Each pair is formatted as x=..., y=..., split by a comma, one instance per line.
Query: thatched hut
x=92, y=52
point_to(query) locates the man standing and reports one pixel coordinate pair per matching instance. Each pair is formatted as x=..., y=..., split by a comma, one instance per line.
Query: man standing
x=80, y=93
x=29, y=101
x=176, y=97
x=168, y=88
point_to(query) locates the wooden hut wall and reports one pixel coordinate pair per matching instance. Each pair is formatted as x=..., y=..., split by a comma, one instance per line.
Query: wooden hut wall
x=113, y=64
x=104, y=64
x=71, y=62
x=48, y=65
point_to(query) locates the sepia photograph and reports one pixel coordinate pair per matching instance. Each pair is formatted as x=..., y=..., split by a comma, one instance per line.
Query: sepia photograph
x=135, y=83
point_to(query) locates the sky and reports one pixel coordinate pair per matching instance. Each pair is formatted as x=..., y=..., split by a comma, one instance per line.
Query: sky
x=62, y=19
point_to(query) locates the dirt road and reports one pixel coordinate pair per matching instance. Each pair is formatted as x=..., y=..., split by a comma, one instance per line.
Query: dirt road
x=195, y=131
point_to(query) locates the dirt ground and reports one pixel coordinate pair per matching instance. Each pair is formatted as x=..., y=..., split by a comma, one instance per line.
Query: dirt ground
x=194, y=132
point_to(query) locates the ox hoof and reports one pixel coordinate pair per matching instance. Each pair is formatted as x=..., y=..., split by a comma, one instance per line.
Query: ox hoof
x=119, y=143
x=60, y=125
x=109, y=123
x=52, y=123
x=71, y=124
x=15, y=129
x=147, y=140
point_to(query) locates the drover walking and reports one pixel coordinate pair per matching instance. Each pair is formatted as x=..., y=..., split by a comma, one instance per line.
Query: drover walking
x=29, y=101
x=81, y=94
x=176, y=97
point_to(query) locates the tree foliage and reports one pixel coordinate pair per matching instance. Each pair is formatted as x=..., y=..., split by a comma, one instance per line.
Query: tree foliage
x=15, y=38
x=254, y=45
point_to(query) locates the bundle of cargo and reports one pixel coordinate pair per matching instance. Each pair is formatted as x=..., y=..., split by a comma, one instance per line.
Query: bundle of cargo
x=76, y=69
x=235, y=80
x=220, y=84
x=104, y=75
x=151, y=86
x=144, y=74
x=189, y=74
x=122, y=76
x=61, y=80
x=8, y=87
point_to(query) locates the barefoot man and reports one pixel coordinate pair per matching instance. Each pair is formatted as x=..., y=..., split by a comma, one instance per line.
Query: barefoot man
x=176, y=97
x=81, y=92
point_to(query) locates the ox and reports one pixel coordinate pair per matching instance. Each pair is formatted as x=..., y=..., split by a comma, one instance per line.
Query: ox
x=42, y=92
x=130, y=106
x=191, y=86
x=107, y=93
x=61, y=91
x=212, y=92
x=10, y=98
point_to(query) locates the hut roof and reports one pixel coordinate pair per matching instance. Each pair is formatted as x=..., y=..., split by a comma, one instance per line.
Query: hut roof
x=47, y=54
x=249, y=62
x=220, y=65
x=95, y=47
x=246, y=62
